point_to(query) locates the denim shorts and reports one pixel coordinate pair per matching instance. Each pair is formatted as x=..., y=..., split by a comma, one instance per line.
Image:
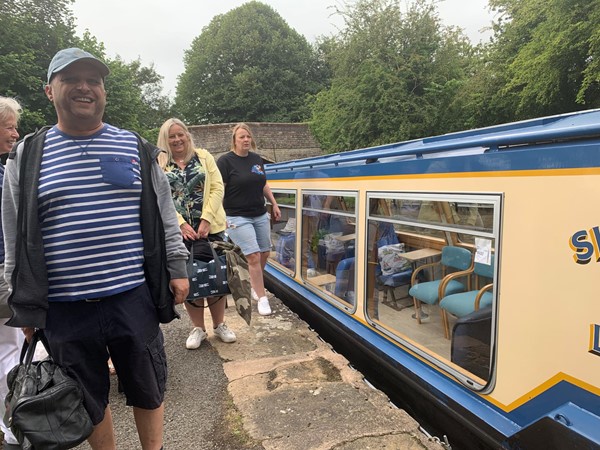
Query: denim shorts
x=82, y=333
x=251, y=234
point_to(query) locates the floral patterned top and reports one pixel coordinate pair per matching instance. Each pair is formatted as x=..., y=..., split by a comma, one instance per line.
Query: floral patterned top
x=187, y=189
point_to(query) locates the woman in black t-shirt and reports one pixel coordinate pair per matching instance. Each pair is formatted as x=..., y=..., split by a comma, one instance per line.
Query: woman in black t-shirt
x=248, y=224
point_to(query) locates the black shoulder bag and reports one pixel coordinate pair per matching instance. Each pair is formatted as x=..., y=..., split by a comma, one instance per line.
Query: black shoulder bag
x=44, y=406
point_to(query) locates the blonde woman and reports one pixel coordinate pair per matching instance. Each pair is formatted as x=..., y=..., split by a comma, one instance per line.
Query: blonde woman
x=247, y=220
x=197, y=189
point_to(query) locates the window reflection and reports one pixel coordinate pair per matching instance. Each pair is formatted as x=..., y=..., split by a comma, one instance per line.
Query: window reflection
x=328, y=243
x=409, y=242
x=283, y=232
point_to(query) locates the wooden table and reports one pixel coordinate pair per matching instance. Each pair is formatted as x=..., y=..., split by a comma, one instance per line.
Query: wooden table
x=346, y=237
x=322, y=280
x=423, y=253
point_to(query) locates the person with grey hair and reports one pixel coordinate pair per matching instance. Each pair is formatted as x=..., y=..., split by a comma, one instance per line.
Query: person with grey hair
x=96, y=258
x=11, y=339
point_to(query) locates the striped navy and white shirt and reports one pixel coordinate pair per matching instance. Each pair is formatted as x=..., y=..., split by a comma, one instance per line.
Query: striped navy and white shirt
x=89, y=209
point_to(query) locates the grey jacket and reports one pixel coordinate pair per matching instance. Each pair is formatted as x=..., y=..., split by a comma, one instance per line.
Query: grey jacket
x=165, y=254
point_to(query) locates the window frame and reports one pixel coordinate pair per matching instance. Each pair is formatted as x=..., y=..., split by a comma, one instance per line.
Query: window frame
x=354, y=194
x=275, y=191
x=496, y=200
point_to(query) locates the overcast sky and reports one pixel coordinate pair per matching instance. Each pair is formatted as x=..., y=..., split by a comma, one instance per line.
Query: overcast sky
x=159, y=31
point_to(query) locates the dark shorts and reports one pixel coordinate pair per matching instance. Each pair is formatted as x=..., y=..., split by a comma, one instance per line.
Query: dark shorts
x=81, y=334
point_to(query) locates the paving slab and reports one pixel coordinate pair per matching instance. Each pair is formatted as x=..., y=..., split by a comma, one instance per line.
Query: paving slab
x=294, y=392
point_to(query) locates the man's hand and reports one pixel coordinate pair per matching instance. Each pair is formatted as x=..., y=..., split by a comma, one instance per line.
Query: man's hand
x=28, y=332
x=180, y=287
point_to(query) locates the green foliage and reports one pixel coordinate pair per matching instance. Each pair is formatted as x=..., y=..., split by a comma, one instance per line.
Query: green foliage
x=248, y=65
x=399, y=75
x=545, y=57
x=314, y=242
x=32, y=31
x=134, y=99
x=151, y=135
x=395, y=76
x=392, y=73
x=589, y=92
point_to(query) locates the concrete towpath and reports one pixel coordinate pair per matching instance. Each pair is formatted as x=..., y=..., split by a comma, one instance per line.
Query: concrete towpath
x=278, y=387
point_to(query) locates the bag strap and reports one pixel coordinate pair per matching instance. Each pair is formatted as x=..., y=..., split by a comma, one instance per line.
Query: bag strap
x=208, y=304
x=24, y=349
x=212, y=249
x=190, y=261
x=218, y=272
x=28, y=349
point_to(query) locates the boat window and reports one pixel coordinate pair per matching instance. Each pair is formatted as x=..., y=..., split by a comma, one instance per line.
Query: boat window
x=328, y=240
x=431, y=276
x=430, y=215
x=283, y=231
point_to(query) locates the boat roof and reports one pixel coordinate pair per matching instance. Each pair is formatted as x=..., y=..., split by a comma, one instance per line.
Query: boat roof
x=571, y=126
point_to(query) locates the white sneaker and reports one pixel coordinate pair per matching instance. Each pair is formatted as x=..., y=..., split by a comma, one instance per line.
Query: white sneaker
x=195, y=338
x=290, y=226
x=311, y=273
x=254, y=295
x=224, y=333
x=264, y=309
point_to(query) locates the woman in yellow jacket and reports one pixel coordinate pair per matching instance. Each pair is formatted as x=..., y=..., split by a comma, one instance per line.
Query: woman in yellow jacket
x=197, y=189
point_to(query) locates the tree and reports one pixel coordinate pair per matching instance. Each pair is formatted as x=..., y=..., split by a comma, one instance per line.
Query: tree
x=133, y=91
x=394, y=76
x=134, y=99
x=247, y=65
x=32, y=31
x=545, y=57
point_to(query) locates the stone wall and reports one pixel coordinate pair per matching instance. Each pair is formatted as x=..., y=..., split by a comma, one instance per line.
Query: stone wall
x=276, y=142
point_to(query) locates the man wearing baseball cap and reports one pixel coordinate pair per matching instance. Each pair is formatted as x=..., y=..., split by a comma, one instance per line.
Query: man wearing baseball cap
x=97, y=259
x=68, y=56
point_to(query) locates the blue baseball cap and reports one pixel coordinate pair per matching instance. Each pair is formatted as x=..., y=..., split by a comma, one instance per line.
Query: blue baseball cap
x=68, y=56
